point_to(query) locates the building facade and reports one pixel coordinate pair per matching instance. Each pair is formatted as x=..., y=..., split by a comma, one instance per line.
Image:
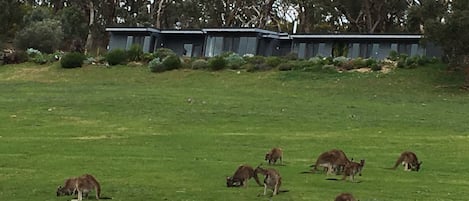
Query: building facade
x=211, y=42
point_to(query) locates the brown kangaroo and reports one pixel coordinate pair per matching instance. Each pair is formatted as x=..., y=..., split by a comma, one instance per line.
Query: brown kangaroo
x=273, y=155
x=241, y=177
x=333, y=161
x=345, y=197
x=353, y=168
x=272, y=179
x=81, y=186
x=409, y=160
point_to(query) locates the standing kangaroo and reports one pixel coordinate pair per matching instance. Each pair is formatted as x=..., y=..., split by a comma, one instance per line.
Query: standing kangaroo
x=333, y=160
x=241, y=177
x=272, y=179
x=273, y=155
x=353, y=168
x=81, y=186
x=409, y=160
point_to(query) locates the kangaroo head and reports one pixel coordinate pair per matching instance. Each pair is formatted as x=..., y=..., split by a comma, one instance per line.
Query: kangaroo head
x=229, y=182
x=267, y=156
x=63, y=191
x=362, y=163
x=416, y=167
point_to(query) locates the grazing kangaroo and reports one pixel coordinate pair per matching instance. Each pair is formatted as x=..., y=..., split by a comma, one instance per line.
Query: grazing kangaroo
x=409, y=160
x=81, y=186
x=272, y=179
x=273, y=155
x=345, y=197
x=333, y=160
x=241, y=177
x=353, y=168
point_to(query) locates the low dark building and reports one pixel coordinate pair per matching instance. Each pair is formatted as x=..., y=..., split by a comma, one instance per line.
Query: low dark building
x=211, y=42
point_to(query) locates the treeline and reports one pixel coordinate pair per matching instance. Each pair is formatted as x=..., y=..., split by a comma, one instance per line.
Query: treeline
x=86, y=19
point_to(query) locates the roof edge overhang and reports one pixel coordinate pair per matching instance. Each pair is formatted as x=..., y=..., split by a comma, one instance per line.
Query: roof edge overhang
x=132, y=29
x=356, y=36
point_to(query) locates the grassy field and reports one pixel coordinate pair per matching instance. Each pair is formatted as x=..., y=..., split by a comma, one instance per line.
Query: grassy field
x=177, y=135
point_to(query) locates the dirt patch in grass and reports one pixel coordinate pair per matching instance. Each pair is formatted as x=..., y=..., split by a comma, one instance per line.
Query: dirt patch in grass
x=31, y=74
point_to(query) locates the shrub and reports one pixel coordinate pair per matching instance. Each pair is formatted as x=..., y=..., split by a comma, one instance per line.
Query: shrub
x=370, y=62
x=234, y=61
x=339, y=61
x=15, y=57
x=199, y=64
x=291, y=56
x=172, y=62
x=258, y=67
x=375, y=66
x=156, y=65
x=45, y=36
x=163, y=53
x=72, y=60
x=359, y=63
x=393, y=55
x=135, y=53
x=273, y=61
x=217, y=63
x=36, y=56
x=147, y=57
x=116, y=57
x=329, y=68
x=285, y=66
x=255, y=60
x=316, y=60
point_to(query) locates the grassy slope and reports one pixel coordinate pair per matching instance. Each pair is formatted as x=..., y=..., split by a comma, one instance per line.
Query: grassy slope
x=139, y=135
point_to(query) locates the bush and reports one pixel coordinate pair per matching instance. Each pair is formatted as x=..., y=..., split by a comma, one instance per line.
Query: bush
x=234, y=61
x=163, y=53
x=72, y=60
x=393, y=55
x=156, y=65
x=116, y=57
x=147, y=57
x=217, y=63
x=286, y=66
x=316, y=60
x=273, y=61
x=15, y=57
x=258, y=67
x=255, y=60
x=135, y=53
x=359, y=63
x=172, y=62
x=45, y=36
x=329, y=68
x=36, y=56
x=375, y=67
x=291, y=56
x=339, y=61
x=199, y=64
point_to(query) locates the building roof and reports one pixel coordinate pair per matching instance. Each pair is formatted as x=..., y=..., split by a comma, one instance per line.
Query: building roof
x=267, y=33
x=356, y=36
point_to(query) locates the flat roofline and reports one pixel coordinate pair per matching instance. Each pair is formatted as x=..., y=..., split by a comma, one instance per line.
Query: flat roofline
x=355, y=36
x=257, y=30
x=175, y=31
x=132, y=29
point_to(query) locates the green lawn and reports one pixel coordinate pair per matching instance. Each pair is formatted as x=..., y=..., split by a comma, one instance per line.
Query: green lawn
x=177, y=135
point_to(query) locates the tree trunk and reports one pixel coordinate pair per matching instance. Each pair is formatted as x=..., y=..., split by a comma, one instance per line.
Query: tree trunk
x=159, y=13
x=89, y=38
